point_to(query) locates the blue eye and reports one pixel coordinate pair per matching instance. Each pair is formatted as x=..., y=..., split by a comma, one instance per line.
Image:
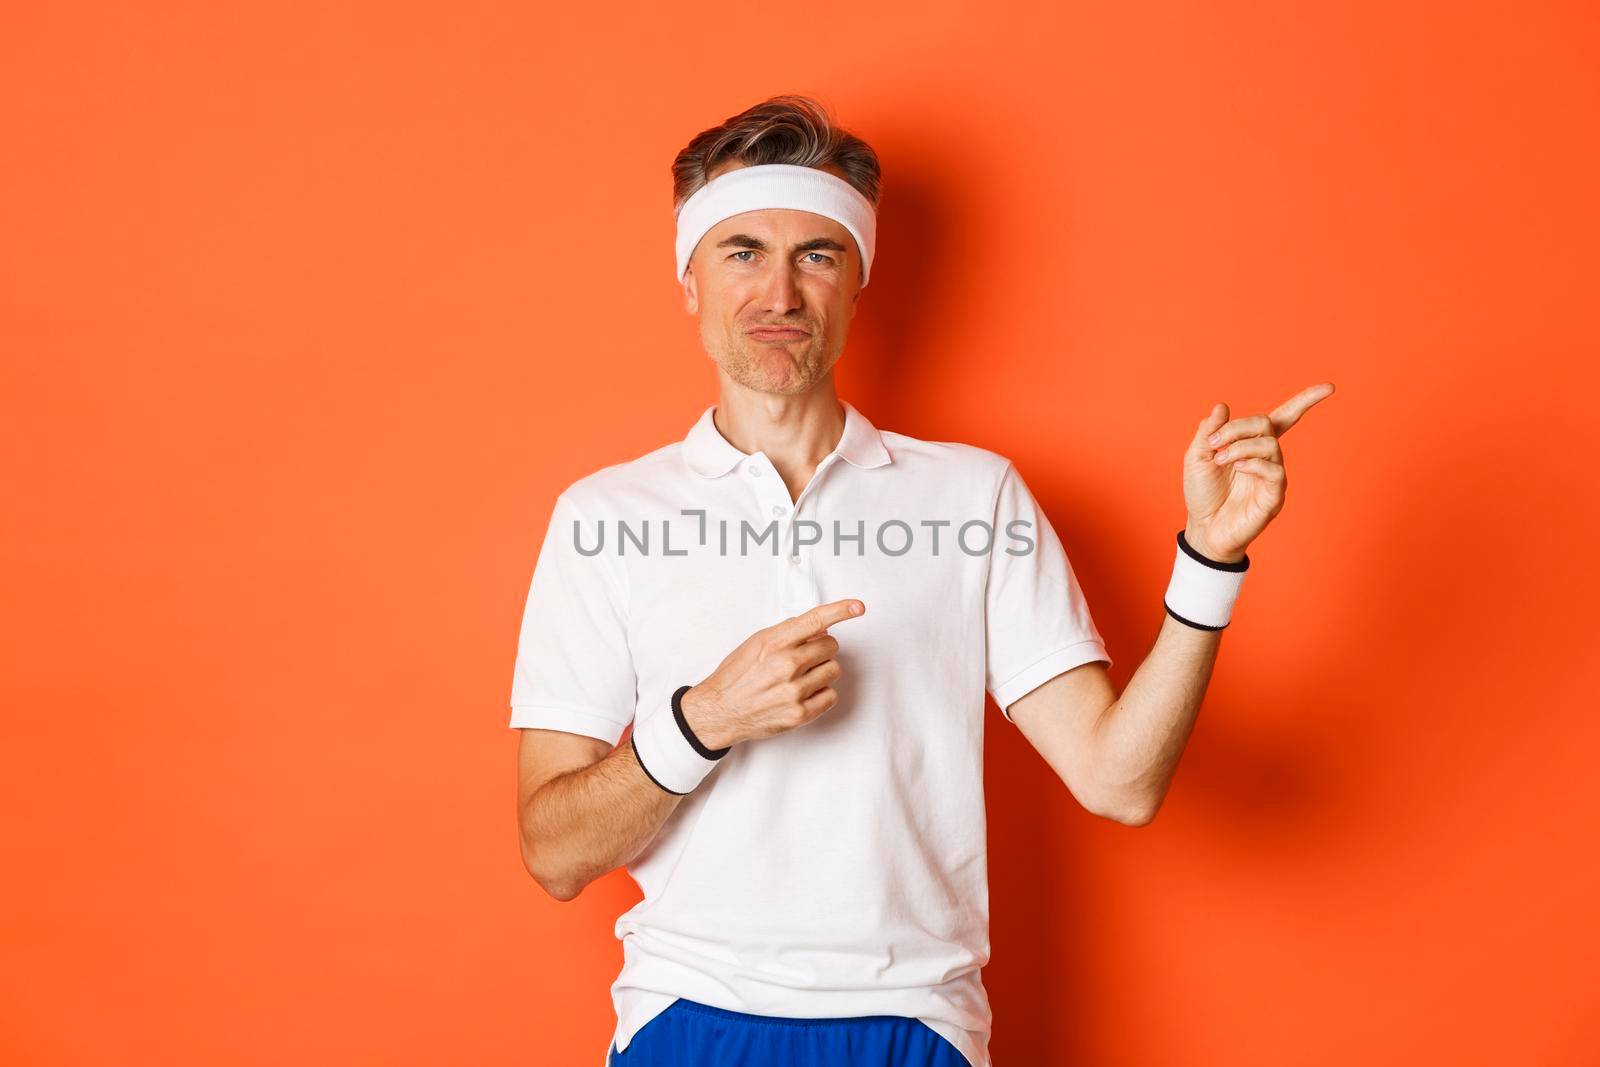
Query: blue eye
x=746, y=252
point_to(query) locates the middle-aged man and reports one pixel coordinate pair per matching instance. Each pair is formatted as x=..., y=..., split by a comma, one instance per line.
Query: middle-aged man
x=799, y=615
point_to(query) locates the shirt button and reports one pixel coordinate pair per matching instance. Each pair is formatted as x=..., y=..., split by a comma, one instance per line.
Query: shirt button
x=777, y=509
x=754, y=470
x=795, y=560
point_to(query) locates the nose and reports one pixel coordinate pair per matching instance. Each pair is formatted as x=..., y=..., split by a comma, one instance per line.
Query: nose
x=782, y=291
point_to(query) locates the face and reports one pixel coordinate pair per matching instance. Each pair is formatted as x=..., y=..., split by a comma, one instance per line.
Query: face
x=775, y=291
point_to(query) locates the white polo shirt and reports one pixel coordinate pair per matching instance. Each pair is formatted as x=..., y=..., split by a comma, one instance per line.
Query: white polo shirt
x=840, y=868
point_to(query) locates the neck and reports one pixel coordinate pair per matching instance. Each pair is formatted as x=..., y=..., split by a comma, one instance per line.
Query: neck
x=795, y=431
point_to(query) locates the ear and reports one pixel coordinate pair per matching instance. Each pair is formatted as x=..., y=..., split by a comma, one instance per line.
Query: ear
x=691, y=298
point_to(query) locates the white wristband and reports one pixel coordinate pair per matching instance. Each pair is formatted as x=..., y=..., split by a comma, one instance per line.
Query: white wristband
x=1202, y=591
x=669, y=752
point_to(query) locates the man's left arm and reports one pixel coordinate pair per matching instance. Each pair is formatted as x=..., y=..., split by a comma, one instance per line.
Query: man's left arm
x=1118, y=754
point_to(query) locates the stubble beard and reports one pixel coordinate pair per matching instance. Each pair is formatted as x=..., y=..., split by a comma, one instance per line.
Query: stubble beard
x=771, y=368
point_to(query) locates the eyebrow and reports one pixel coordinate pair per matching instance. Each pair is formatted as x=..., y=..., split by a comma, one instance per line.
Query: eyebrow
x=744, y=240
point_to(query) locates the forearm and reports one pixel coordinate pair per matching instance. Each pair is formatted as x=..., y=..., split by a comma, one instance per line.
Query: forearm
x=1139, y=739
x=586, y=822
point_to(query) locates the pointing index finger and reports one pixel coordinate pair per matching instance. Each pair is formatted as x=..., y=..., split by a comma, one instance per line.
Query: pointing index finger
x=810, y=623
x=1289, y=412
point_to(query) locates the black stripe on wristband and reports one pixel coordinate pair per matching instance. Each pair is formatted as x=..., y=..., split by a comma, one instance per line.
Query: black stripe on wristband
x=646, y=770
x=1191, y=622
x=683, y=725
x=1214, y=564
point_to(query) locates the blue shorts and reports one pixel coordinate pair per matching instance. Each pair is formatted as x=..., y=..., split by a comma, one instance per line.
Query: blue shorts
x=691, y=1034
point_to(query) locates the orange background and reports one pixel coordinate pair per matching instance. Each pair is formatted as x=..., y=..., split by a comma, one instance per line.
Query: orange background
x=309, y=311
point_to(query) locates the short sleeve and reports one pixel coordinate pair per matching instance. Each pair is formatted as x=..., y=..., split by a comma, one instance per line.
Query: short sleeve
x=1037, y=621
x=574, y=671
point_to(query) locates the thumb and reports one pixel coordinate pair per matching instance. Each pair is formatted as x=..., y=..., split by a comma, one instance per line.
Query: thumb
x=1209, y=426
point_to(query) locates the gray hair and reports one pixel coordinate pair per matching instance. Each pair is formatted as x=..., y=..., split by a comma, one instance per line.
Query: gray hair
x=788, y=128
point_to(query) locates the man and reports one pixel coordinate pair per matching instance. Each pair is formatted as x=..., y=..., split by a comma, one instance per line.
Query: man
x=803, y=808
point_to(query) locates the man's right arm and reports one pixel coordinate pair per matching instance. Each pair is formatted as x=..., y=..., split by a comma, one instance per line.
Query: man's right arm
x=582, y=811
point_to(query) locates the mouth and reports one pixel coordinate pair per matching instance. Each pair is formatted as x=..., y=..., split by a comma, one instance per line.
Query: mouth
x=778, y=333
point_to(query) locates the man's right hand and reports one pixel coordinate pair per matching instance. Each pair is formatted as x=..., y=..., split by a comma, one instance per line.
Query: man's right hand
x=778, y=678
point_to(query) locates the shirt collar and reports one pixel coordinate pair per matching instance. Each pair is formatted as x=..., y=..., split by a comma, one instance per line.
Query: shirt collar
x=711, y=455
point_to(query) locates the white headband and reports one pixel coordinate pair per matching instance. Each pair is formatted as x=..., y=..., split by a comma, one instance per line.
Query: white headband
x=783, y=185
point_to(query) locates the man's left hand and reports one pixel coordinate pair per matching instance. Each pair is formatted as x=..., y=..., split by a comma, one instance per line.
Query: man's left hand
x=1233, y=475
